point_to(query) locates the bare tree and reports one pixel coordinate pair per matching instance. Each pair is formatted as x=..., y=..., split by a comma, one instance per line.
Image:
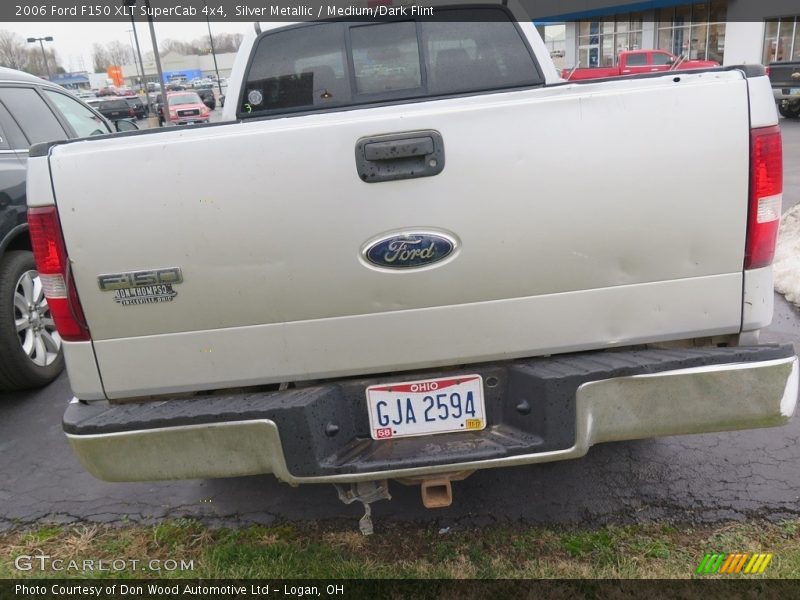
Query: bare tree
x=111, y=54
x=177, y=46
x=100, y=59
x=223, y=42
x=36, y=64
x=119, y=53
x=227, y=42
x=13, y=51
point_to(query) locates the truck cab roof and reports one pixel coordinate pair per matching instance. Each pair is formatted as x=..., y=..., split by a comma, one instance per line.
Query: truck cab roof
x=7, y=74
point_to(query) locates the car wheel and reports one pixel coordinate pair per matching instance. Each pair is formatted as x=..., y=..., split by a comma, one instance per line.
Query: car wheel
x=789, y=109
x=30, y=347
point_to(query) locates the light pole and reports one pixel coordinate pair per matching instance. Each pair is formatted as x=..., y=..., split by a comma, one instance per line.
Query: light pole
x=164, y=103
x=42, y=40
x=133, y=54
x=141, y=64
x=213, y=52
x=157, y=58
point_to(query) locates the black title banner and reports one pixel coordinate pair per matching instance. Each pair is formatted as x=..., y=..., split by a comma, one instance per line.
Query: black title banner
x=367, y=10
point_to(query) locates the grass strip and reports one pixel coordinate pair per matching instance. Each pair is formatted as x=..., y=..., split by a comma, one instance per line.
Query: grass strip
x=396, y=551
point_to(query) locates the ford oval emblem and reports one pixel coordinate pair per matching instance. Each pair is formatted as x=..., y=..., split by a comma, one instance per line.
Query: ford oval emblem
x=409, y=250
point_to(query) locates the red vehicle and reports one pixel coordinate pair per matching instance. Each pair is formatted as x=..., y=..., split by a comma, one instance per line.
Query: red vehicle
x=185, y=108
x=633, y=62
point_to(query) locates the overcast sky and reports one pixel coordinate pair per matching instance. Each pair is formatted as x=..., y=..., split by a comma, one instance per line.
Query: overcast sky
x=73, y=41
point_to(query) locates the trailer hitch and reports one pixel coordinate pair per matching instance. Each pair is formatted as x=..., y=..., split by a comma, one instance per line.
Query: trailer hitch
x=365, y=492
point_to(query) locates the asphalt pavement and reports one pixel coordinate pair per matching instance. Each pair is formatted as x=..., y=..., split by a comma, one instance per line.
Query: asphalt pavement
x=697, y=479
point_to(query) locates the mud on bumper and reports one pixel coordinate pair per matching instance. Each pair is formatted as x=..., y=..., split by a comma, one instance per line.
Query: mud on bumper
x=538, y=410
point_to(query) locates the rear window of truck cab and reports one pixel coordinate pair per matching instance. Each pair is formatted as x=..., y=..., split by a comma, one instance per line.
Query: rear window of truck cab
x=189, y=98
x=113, y=105
x=636, y=60
x=326, y=65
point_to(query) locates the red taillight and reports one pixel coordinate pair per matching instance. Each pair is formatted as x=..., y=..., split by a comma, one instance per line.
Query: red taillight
x=766, y=195
x=57, y=281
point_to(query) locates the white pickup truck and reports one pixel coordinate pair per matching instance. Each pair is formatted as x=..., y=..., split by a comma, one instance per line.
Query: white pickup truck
x=413, y=251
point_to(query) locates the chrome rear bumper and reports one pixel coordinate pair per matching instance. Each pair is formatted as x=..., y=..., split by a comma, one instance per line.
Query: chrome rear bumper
x=781, y=93
x=718, y=397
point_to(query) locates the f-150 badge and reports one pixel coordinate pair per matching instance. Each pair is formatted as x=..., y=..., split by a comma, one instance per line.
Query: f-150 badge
x=142, y=287
x=409, y=250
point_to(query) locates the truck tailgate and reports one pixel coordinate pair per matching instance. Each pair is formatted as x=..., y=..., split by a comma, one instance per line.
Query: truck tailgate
x=583, y=216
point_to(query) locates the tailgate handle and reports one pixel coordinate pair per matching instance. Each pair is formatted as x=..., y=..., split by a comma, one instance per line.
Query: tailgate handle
x=399, y=156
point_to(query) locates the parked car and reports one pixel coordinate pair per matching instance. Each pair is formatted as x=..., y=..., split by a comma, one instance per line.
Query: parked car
x=315, y=287
x=185, y=108
x=202, y=83
x=632, y=62
x=785, y=80
x=32, y=110
x=113, y=109
x=207, y=96
x=223, y=87
x=138, y=106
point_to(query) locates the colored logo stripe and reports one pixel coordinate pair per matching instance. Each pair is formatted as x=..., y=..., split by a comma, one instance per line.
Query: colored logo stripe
x=727, y=565
x=745, y=563
x=758, y=563
x=711, y=562
x=736, y=563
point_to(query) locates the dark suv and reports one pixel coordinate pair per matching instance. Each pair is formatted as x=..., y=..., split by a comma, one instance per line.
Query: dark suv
x=113, y=108
x=138, y=106
x=785, y=80
x=207, y=96
x=32, y=110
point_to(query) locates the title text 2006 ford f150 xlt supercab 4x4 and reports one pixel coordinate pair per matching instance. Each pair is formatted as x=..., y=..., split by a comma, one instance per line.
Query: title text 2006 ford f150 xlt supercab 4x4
x=394, y=262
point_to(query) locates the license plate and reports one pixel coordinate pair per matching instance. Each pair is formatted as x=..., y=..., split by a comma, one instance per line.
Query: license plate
x=425, y=407
x=794, y=91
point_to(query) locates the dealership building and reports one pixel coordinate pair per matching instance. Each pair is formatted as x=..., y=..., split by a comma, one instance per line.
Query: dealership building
x=727, y=31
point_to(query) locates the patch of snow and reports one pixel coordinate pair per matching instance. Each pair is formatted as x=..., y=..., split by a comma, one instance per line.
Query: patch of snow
x=786, y=267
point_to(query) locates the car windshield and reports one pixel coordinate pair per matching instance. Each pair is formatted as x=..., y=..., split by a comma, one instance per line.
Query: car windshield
x=183, y=99
x=114, y=104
